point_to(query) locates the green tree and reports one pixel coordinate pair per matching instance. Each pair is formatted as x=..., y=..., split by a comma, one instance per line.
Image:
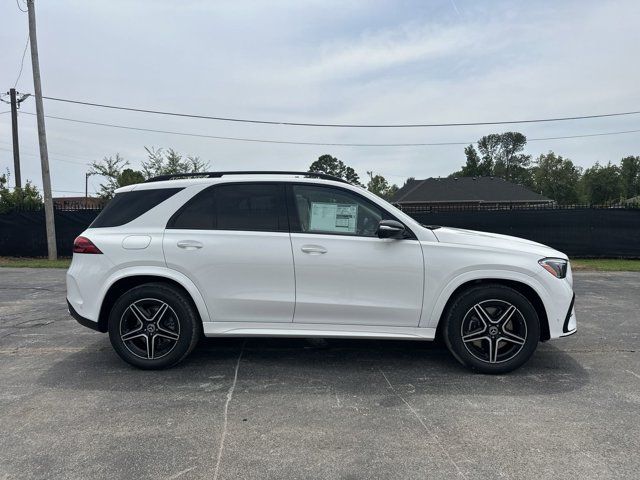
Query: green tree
x=556, y=177
x=380, y=186
x=498, y=154
x=332, y=166
x=504, y=152
x=630, y=176
x=27, y=197
x=475, y=166
x=111, y=169
x=129, y=177
x=601, y=184
x=169, y=162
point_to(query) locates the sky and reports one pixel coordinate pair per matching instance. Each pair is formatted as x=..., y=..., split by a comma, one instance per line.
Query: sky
x=321, y=61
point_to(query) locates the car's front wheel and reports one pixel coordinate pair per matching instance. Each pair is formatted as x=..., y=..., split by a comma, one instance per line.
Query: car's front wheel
x=492, y=329
x=153, y=326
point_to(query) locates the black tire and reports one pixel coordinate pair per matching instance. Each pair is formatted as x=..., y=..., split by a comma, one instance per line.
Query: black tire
x=476, y=333
x=148, y=338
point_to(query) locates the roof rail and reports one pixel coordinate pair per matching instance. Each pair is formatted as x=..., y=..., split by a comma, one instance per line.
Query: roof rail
x=176, y=176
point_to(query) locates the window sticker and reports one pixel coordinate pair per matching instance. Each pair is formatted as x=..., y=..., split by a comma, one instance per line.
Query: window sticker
x=334, y=217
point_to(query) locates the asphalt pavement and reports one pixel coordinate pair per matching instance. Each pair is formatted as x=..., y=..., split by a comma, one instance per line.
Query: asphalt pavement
x=290, y=408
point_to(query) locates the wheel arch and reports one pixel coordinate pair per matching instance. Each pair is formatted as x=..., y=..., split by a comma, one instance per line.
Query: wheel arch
x=525, y=289
x=129, y=280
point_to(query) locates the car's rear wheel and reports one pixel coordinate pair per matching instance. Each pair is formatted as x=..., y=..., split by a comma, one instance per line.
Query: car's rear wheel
x=153, y=326
x=492, y=329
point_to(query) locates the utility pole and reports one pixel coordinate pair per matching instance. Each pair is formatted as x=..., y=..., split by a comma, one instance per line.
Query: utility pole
x=86, y=184
x=15, y=102
x=14, y=131
x=42, y=137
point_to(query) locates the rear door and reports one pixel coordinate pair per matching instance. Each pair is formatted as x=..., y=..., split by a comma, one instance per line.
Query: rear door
x=232, y=241
x=345, y=274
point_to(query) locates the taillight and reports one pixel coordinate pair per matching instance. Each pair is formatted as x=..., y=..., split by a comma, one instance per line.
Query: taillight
x=84, y=245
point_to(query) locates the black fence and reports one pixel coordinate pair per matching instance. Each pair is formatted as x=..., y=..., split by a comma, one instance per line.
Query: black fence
x=22, y=233
x=577, y=230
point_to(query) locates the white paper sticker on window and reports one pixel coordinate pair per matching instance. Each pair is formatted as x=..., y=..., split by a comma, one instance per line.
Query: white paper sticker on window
x=333, y=217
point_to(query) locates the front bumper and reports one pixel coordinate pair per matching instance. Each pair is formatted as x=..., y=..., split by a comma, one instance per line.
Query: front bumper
x=569, y=327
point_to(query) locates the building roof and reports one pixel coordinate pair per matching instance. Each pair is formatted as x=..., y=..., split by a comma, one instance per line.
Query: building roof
x=465, y=190
x=74, y=203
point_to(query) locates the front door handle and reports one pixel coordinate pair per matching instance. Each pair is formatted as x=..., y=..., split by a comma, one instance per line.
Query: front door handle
x=189, y=244
x=313, y=249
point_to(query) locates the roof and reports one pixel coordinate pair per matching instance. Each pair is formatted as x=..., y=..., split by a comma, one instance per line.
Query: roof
x=465, y=190
x=210, y=178
x=175, y=176
x=85, y=202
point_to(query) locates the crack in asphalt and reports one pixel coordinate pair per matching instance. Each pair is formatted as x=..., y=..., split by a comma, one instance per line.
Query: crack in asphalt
x=46, y=289
x=226, y=413
x=424, y=425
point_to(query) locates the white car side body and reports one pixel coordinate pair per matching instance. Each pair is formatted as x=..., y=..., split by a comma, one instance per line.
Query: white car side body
x=442, y=261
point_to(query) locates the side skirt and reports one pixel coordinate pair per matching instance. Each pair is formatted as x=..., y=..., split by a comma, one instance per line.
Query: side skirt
x=250, y=329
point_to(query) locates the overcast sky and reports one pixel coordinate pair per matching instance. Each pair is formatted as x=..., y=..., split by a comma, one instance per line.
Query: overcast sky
x=423, y=61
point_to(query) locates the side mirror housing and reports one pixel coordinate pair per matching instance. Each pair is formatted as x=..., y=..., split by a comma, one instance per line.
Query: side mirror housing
x=390, y=229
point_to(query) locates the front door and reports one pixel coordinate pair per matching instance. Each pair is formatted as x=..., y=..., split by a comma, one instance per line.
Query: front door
x=344, y=273
x=232, y=241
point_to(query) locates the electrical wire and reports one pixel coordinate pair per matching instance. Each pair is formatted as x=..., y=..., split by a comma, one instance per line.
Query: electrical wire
x=53, y=157
x=323, y=144
x=341, y=125
x=24, y=52
x=19, y=7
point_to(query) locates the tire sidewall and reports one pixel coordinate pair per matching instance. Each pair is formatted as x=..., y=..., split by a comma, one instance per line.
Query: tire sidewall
x=466, y=301
x=185, y=316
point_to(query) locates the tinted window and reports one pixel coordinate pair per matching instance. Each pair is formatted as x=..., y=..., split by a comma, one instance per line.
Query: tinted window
x=249, y=207
x=335, y=211
x=127, y=206
x=198, y=214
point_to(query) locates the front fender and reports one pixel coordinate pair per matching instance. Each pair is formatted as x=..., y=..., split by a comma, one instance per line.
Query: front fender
x=432, y=316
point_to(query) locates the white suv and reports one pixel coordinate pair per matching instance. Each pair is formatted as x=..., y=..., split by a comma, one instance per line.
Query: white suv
x=306, y=255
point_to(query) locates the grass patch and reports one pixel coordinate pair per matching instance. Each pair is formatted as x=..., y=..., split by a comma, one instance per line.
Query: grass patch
x=606, y=265
x=34, y=262
x=597, y=264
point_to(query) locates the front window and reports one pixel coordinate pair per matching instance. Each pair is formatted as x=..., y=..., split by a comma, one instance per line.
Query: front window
x=328, y=210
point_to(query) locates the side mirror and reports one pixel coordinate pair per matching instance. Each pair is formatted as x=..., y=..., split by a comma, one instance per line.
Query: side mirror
x=390, y=229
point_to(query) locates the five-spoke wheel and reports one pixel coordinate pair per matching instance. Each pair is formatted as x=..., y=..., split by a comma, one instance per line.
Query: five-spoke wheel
x=153, y=326
x=149, y=328
x=492, y=328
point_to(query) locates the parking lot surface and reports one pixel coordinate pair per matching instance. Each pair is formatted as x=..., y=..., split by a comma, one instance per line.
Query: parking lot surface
x=290, y=408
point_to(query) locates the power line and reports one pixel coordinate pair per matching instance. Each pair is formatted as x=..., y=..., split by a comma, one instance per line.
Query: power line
x=322, y=144
x=78, y=157
x=341, y=125
x=19, y=7
x=54, y=159
x=24, y=52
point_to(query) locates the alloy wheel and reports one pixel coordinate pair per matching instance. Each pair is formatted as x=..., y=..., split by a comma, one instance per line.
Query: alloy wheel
x=494, y=331
x=149, y=328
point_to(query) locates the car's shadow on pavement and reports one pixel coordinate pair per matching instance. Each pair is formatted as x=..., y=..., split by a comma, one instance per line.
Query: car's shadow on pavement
x=346, y=366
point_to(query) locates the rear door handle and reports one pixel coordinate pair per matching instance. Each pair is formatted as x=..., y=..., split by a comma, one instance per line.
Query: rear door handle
x=313, y=249
x=189, y=244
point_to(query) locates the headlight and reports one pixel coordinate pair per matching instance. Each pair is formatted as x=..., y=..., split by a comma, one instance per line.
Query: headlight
x=555, y=266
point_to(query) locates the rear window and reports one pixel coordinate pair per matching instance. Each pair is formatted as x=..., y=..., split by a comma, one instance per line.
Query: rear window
x=128, y=206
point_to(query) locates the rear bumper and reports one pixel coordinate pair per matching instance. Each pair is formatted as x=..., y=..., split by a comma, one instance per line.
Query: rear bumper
x=85, y=322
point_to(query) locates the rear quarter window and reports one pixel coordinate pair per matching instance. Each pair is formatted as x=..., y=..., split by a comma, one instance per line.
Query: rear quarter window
x=127, y=206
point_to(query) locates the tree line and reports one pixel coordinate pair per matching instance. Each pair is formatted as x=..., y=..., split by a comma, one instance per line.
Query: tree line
x=498, y=155
x=552, y=175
